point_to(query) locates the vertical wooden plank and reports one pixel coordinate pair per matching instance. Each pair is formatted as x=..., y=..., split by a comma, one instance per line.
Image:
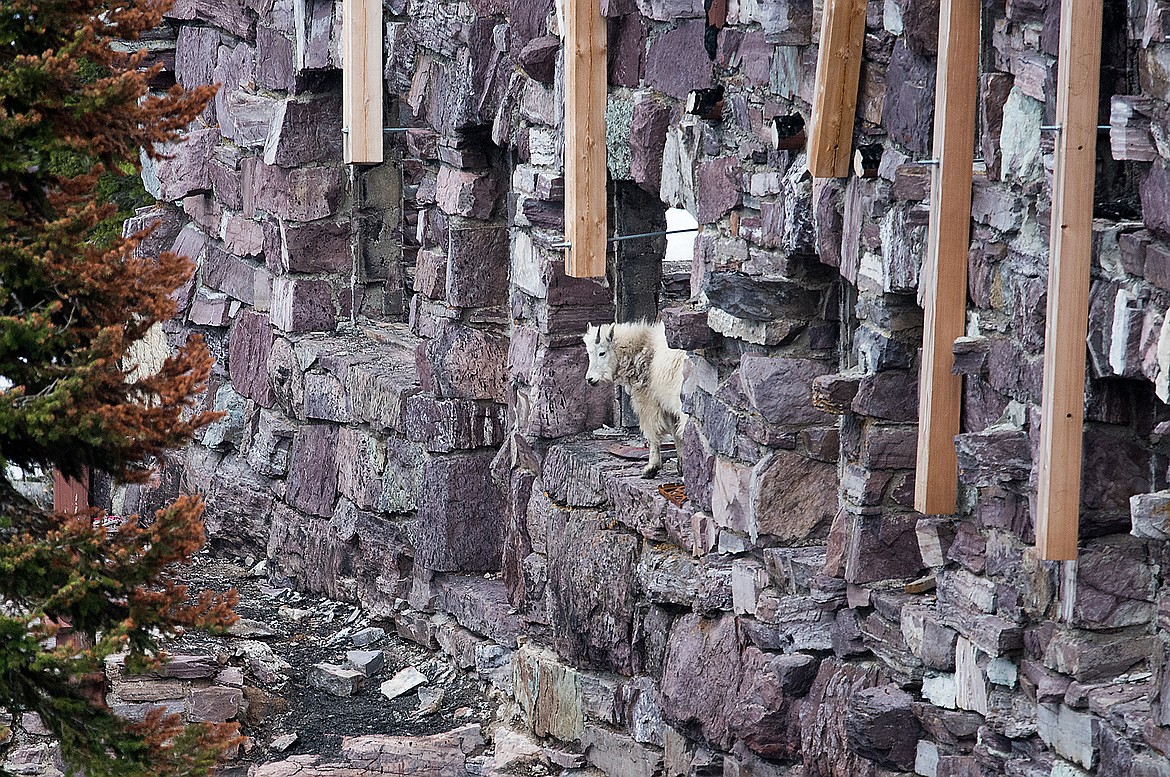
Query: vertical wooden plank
x=1070, y=248
x=585, y=173
x=70, y=496
x=361, y=81
x=944, y=274
x=830, y=146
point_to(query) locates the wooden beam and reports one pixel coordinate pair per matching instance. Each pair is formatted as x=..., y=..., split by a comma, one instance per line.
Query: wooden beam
x=830, y=148
x=361, y=81
x=585, y=173
x=70, y=496
x=944, y=274
x=1070, y=248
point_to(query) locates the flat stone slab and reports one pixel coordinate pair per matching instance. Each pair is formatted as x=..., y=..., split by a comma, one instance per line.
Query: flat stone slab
x=336, y=680
x=404, y=682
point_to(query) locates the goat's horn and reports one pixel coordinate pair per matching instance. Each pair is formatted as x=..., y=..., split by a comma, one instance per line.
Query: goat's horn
x=599, y=335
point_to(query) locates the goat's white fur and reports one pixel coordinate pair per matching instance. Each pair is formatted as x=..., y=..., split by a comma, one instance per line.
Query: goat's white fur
x=636, y=356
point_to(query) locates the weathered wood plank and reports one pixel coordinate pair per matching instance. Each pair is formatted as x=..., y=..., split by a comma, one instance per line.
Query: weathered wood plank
x=944, y=276
x=585, y=173
x=70, y=496
x=361, y=83
x=1070, y=250
x=830, y=147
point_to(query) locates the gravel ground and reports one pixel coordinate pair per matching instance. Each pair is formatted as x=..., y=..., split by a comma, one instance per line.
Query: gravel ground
x=304, y=630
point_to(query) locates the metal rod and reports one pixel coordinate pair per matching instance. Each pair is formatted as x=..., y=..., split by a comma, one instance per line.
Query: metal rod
x=620, y=238
x=928, y=162
x=345, y=130
x=1050, y=128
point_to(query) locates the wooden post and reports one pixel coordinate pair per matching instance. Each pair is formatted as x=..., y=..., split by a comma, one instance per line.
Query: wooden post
x=70, y=496
x=944, y=274
x=585, y=173
x=361, y=81
x=830, y=148
x=1070, y=247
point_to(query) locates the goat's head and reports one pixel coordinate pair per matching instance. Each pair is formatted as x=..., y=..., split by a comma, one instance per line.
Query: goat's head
x=599, y=344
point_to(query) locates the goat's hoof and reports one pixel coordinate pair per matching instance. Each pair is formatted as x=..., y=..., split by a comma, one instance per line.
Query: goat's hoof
x=649, y=471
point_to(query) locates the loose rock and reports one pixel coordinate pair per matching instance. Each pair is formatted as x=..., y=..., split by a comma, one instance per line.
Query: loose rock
x=403, y=682
x=336, y=680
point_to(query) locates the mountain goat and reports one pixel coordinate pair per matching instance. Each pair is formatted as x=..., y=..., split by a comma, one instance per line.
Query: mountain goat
x=636, y=356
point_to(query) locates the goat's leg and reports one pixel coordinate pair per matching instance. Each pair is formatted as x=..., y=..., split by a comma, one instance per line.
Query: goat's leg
x=679, y=426
x=654, y=440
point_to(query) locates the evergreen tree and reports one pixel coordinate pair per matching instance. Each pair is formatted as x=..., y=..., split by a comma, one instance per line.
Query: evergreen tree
x=74, y=111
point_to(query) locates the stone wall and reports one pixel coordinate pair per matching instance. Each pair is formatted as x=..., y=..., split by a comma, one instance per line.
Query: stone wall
x=406, y=423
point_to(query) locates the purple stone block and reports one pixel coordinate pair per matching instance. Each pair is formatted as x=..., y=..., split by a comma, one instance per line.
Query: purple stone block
x=626, y=49
x=191, y=242
x=461, y=515
x=445, y=425
x=527, y=19
x=359, y=476
x=718, y=189
x=701, y=675
x=593, y=625
x=304, y=132
x=1155, y=194
x=1113, y=470
x=196, y=51
x=687, y=329
x=648, y=127
x=676, y=62
x=829, y=209
x=477, y=267
x=239, y=504
x=316, y=247
x=229, y=15
x=793, y=497
x=229, y=274
x=464, y=363
x=312, y=472
x=303, y=194
x=274, y=59
x=880, y=725
x=994, y=456
x=756, y=54
x=467, y=193
x=250, y=346
x=303, y=305
x=325, y=398
x=242, y=236
x=430, y=274
x=920, y=25
x=909, y=106
x=242, y=115
x=892, y=395
x=562, y=402
x=1156, y=267
x=316, y=50
x=185, y=171
x=538, y=59
x=780, y=389
x=882, y=547
x=208, y=310
x=890, y=448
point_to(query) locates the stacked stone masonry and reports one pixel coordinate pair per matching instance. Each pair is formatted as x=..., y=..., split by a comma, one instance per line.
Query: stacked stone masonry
x=406, y=423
